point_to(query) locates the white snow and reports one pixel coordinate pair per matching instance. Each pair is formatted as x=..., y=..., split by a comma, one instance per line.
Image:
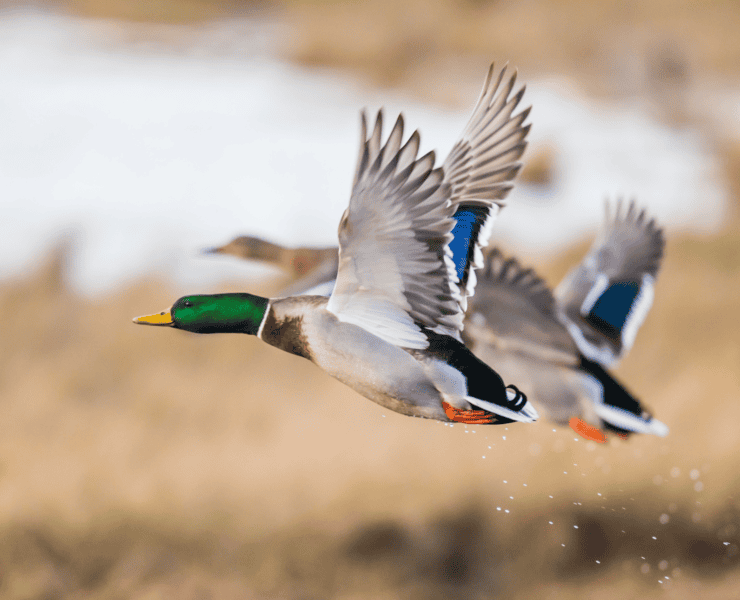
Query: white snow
x=149, y=154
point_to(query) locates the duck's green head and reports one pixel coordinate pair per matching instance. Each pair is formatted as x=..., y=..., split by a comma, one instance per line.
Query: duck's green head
x=215, y=313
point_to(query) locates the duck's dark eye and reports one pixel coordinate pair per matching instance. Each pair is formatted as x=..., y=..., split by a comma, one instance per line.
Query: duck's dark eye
x=187, y=303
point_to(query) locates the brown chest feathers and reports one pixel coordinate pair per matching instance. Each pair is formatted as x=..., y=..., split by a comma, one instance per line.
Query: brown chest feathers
x=285, y=333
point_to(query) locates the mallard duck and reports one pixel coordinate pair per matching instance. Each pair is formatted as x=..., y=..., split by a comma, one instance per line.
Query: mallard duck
x=391, y=329
x=314, y=270
x=556, y=346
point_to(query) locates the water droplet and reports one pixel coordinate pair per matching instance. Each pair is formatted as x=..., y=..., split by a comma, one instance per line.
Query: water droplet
x=575, y=526
x=698, y=486
x=694, y=474
x=675, y=472
x=664, y=518
x=655, y=538
x=663, y=565
x=644, y=569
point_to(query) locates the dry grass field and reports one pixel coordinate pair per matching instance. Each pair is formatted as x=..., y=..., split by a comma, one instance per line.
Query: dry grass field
x=609, y=46
x=139, y=463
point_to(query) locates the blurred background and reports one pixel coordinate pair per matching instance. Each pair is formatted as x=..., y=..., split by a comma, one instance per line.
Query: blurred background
x=138, y=463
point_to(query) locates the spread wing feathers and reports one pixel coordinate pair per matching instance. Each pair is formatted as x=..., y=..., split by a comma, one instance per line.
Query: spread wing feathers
x=395, y=266
x=484, y=162
x=604, y=300
x=514, y=307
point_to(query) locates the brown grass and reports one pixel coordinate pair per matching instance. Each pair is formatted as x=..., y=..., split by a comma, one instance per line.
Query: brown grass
x=656, y=47
x=157, y=11
x=137, y=462
x=610, y=45
x=539, y=167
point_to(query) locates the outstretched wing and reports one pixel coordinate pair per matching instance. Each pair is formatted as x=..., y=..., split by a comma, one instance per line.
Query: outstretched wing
x=480, y=170
x=604, y=300
x=395, y=267
x=514, y=310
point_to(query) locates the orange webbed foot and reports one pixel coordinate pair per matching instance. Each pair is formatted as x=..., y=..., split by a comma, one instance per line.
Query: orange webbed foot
x=587, y=431
x=470, y=417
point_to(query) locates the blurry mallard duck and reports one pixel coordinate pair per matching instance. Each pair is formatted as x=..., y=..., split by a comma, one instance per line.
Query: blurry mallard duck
x=314, y=270
x=557, y=346
x=391, y=329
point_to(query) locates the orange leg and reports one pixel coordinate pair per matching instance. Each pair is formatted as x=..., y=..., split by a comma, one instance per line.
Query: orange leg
x=471, y=417
x=587, y=431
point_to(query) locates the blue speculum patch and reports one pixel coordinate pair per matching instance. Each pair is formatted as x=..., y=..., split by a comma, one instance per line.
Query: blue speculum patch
x=468, y=222
x=612, y=308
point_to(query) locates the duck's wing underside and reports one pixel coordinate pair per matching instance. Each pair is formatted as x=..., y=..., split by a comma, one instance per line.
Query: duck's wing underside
x=604, y=300
x=480, y=170
x=514, y=310
x=395, y=266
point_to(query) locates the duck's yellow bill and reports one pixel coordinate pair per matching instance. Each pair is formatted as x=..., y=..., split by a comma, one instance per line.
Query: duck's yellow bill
x=163, y=318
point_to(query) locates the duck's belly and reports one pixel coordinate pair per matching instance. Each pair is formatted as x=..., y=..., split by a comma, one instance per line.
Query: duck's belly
x=378, y=370
x=553, y=388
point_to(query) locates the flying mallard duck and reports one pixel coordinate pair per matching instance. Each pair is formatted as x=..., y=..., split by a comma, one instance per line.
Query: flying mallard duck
x=391, y=329
x=557, y=346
